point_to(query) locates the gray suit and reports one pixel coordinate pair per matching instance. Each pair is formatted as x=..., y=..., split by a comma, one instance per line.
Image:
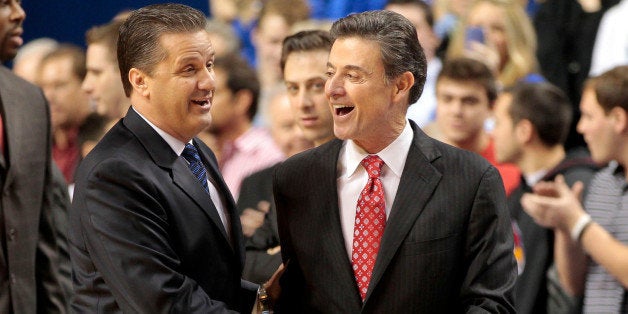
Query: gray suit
x=32, y=222
x=447, y=246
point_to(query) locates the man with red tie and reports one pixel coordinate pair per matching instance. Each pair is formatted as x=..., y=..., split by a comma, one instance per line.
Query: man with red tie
x=385, y=219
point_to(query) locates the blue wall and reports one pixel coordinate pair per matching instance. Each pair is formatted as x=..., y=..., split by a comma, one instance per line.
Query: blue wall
x=68, y=20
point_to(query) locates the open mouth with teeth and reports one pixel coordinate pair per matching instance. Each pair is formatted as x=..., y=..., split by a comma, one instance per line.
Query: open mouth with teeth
x=342, y=110
x=201, y=102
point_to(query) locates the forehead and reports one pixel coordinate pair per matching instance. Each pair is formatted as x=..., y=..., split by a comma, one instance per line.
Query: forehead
x=187, y=45
x=413, y=13
x=356, y=51
x=100, y=53
x=461, y=87
x=306, y=63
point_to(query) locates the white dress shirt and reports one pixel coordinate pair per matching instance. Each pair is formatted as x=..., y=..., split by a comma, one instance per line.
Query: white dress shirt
x=178, y=146
x=352, y=178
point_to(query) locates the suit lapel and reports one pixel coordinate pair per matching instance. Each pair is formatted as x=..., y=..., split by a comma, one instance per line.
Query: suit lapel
x=164, y=157
x=418, y=181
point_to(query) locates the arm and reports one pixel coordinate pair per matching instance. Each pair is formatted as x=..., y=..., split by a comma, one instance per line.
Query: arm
x=52, y=258
x=127, y=234
x=556, y=206
x=491, y=267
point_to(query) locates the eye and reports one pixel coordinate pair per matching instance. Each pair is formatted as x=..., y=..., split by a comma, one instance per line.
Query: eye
x=292, y=89
x=210, y=65
x=329, y=73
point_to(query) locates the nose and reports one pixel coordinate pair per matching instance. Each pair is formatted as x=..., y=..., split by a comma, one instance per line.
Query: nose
x=580, y=126
x=17, y=12
x=334, y=88
x=87, y=85
x=303, y=99
x=207, y=81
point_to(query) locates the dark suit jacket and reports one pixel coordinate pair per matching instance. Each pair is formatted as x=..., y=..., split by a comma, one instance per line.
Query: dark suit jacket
x=447, y=246
x=33, y=260
x=260, y=265
x=144, y=235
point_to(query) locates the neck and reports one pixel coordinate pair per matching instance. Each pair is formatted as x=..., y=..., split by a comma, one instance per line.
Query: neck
x=320, y=142
x=232, y=133
x=476, y=144
x=540, y=157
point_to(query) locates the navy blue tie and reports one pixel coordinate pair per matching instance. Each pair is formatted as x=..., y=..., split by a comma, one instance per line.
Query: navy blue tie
x=196, y=166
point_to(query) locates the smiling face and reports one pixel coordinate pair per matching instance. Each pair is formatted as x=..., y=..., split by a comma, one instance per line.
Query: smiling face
x=102, y=82
x=462, y=107
x=177, y=96
x=304, y=75
x=365, y=106
x=11, y=18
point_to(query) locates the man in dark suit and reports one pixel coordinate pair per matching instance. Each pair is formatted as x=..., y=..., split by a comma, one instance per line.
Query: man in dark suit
x=34, y=266
x=428, y=233
x=153, y=226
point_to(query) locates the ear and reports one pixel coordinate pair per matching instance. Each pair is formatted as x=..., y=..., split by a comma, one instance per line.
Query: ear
x=403, y=84
x=242, y=101
x=138, y=80
x=524, y=131
x=620, y=119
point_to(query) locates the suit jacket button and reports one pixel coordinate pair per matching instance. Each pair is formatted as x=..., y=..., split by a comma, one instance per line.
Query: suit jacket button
x=12, y=234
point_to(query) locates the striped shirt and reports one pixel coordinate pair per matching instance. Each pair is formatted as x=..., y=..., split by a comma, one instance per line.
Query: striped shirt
x=607, y=203
x=249, y=153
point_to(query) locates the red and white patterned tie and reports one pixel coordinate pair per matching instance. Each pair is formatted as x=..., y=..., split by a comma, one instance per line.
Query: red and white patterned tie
x=370, y=221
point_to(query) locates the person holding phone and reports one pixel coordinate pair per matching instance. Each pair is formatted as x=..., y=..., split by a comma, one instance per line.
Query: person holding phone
x=500, y=34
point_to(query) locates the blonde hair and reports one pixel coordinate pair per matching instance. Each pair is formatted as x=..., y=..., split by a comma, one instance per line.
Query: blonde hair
x=520, y=41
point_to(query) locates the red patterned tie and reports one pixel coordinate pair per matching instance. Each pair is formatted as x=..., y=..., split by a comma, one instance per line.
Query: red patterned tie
x=370, y=220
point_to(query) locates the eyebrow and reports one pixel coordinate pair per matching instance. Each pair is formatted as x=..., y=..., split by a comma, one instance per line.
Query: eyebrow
x=351, y=67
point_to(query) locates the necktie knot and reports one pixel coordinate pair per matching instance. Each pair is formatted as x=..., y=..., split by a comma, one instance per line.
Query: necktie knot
x=373, y=165
x=190, y=153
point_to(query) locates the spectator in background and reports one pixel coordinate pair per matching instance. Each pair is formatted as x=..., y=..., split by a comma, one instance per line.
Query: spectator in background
x=255, y=203
x=420, y=14
x=241, y=148
x=591, y=248
x=466, y=91
x=303, y=61
x=224, y=38
x=275, y=21
x=61, y=75
x=509, y=43
x=531, y=125
x=102, y=82
x=27, y=61
x=34, y=265
x=611, y=42
x=566, y=32
x=304, y=64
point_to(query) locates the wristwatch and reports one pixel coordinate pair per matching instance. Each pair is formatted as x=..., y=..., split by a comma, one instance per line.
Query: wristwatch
x=263, y=301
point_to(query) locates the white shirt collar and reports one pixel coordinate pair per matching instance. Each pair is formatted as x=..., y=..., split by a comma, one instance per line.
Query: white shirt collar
x=534, y=178
x=394, y=155
x=176, y=145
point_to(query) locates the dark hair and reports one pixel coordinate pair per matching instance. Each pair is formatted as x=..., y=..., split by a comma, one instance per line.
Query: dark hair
x=545, y=106
x=292, y=11
x=309, y=40
x=611, y=88
x=93, y=128
x=76, y=55
x=424, y=7
x=106, y=35
x=397, y=38
x=470, y=70
x=241, y=76
x=138, y=44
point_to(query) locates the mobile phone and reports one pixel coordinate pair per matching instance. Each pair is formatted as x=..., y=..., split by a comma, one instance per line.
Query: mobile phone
x=474, y=33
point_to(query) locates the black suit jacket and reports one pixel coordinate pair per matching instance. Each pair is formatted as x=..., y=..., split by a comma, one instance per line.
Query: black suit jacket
x=447, y=246
x=145, y=237
x=34, y=265
x=260, y=265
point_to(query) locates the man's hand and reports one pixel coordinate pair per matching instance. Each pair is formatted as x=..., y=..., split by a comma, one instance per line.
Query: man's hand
x=554, y=205
x=252, y=219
